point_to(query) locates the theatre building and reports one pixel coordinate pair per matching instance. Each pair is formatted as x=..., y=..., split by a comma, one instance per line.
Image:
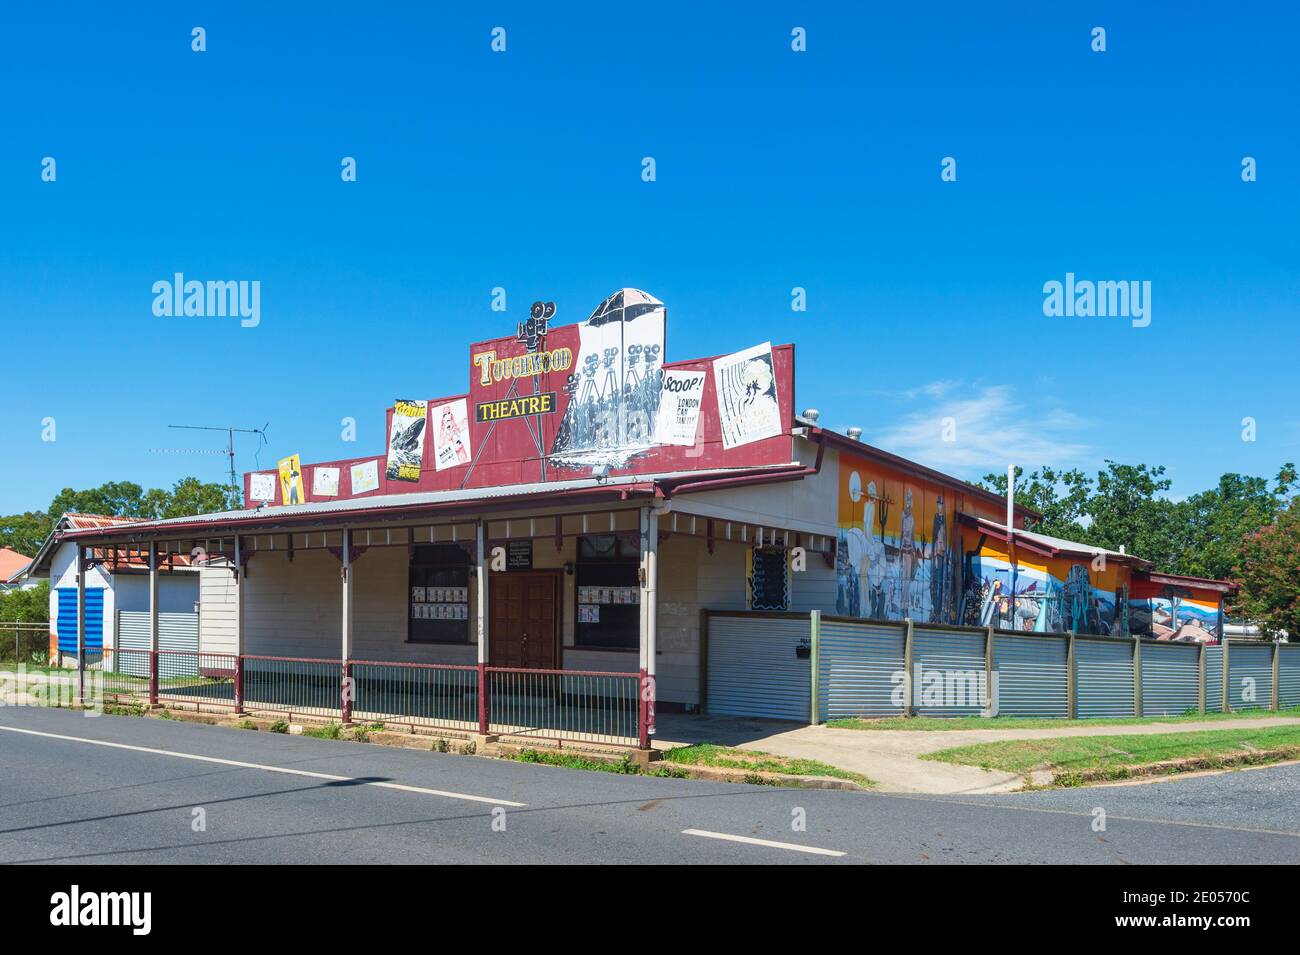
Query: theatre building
x=544, y=552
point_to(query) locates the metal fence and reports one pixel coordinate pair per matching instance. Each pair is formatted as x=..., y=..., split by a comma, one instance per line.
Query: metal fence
x=583, y=705
x=27, y=643
x=865, y=668
x=572, y=705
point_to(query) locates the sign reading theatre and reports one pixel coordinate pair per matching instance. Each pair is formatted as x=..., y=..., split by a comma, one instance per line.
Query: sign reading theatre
x=520, y=407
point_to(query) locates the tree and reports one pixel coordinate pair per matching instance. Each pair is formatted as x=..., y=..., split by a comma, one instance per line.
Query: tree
x=1060, y=496
x=1214, y=523
x=1268, y=569
x=25, y=532
x=26, y=606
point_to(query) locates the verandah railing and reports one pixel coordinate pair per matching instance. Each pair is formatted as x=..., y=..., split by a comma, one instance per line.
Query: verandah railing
x=565, y=705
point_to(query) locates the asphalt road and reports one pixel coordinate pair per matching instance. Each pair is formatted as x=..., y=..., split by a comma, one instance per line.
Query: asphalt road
x=269, y=798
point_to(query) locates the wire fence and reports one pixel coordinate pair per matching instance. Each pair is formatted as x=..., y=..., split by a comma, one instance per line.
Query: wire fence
x=27, y=643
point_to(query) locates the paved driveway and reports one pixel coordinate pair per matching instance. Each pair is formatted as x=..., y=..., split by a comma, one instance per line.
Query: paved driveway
x=890, y=756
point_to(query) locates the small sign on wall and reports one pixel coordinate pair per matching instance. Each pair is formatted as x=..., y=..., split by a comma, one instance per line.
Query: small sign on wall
x=519, y=555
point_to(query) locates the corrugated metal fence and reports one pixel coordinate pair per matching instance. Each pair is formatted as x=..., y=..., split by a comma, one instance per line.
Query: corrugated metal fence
x=177, y=633
x=776, y=665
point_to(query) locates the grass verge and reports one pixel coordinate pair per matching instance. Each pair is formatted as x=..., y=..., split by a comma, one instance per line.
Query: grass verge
x=1030, y=722
x=623, y=766
x=1076, y=759
x=729, y=757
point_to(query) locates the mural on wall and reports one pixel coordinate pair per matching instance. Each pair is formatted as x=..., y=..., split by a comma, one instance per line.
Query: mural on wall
x=748, y=405
x=614, y=391
x=894, y=556
x=1039, y=594
x=406, y=440
x=1175, y=613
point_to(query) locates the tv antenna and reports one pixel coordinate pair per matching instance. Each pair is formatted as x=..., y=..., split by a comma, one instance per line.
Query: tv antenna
x=230, y=444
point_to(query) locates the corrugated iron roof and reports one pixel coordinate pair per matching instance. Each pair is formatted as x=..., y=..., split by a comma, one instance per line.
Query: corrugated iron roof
x=419, y=500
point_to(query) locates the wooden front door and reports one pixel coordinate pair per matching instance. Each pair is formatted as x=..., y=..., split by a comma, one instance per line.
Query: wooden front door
x=524, y=620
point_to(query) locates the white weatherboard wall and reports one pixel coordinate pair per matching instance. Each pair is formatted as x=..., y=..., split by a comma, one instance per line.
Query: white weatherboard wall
x=217, y=608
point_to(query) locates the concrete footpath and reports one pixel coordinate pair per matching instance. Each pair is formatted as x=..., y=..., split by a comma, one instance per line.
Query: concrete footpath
x=891, y=757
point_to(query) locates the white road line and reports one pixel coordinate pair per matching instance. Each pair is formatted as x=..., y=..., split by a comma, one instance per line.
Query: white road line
x=750, y=841
x=401, y=787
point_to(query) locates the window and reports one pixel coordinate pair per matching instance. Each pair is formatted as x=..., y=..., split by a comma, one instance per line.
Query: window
x=609, y=592
x=438, y=595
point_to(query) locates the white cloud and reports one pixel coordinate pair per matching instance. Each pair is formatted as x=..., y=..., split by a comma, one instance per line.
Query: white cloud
x=992, y=430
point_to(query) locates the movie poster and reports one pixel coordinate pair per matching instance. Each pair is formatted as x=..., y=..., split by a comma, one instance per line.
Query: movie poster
x=261, y=487
x=748, y=409
x=451, y=446
x=615, y=387
x=325, y=482
x=365, y=477
x=406, y=440
x=679, y=407
x=291, y=491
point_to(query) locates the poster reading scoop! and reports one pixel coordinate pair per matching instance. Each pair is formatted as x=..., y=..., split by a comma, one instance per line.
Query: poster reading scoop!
x=406, y=440
x=679, y=407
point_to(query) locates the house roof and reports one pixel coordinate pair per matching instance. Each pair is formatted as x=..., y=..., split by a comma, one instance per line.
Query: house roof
x=619, y=487
x=855, y=446
x=1050, y=546
x=12, y=564
x=71, y=524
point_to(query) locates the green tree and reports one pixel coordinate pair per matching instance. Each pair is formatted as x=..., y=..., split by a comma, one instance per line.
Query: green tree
x=25, y=532
x=1268, y=569
x=1214, y=523
x=1060, y=496
x=26, y=606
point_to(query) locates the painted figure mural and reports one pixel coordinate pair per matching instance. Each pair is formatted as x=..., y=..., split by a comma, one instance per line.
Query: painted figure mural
x=893, y=557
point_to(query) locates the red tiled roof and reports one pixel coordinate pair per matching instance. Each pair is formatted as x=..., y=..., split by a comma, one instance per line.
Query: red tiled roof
x=11, y=562
x=140, y=561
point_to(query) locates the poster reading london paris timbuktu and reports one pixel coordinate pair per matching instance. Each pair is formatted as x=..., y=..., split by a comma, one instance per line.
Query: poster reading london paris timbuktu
x=406, y=440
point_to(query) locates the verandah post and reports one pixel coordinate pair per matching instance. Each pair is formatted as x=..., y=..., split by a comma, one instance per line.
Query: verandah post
x=239, y=625
x=481, y=614
x=345, y=688
x=649, y=574
x=153, y=623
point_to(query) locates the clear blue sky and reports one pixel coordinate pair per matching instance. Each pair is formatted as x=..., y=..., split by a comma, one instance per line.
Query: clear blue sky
x=775, y=169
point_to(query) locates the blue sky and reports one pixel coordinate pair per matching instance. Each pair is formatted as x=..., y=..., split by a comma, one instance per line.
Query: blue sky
x=775, y=169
